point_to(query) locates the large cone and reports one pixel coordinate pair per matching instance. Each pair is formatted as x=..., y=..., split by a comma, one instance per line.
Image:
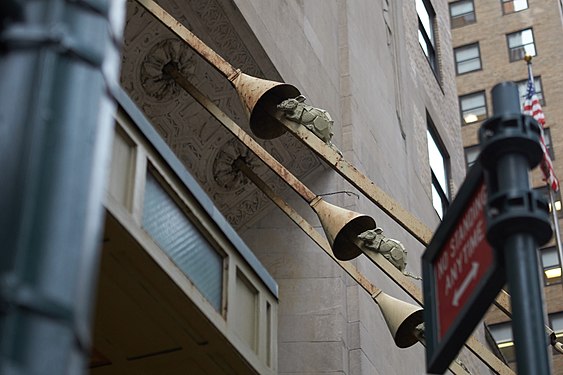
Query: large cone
x=341, y=227
x=401, y=317
x=260, y=96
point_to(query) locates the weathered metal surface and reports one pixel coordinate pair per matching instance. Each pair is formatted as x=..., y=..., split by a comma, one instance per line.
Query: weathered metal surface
x=258, y=95
x=310, y=231
x=411, y=224
x=244, y=137
x=318, y=238
x=477, y=348
x=494, y=363
x=340, y=226
x=343, y=167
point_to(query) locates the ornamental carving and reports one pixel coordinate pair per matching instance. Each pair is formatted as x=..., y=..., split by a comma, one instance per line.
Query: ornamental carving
x=201, y=143
x=157, y=84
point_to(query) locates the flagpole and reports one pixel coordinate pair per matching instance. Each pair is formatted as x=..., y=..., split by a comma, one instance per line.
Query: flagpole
x=550, y=187
x=556, y=229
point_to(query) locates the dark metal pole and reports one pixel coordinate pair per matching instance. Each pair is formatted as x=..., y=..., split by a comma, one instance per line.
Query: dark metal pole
x=59, y=59
x=518, y=220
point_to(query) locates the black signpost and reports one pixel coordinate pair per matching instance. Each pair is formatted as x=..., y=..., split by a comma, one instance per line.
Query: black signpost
x=519, y=220
x=489, y=235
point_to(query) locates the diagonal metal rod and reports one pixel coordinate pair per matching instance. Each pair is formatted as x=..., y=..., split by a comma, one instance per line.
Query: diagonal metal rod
x=303, y=191
x=318, y=238
x=472, y=344
x=310, y=231
x=387, y=204
x=411, y=224
x=405, y=219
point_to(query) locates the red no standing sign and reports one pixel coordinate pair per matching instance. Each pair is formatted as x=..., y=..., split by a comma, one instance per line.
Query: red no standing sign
x=461, y=274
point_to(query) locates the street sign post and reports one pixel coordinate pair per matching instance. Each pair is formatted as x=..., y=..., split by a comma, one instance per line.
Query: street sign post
x=518, y=219
x=462, y=274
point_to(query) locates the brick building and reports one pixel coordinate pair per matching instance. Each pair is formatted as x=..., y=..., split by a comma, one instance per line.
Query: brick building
x=490, y=39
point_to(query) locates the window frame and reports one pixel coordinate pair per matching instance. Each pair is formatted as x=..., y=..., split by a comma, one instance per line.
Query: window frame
x=523, y=87
x=467, y=46
x=503, y=7
x=509, y=334
x=544, y=191
x=153, y=172
x=548, y=142
x=545, y=268
x=511, y=49
x=443, y=192
x=462, y=111
x=558, y=333
x=467, y=150
x=429, y=49
x=453, y=19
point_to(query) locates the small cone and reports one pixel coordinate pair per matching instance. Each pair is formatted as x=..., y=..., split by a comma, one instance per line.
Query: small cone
x=260, y=96
x=341, y=227
x=401, y=317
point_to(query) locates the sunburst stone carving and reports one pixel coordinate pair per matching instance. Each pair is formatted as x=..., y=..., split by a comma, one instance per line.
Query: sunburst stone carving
x=228, y=177
x=154, y=81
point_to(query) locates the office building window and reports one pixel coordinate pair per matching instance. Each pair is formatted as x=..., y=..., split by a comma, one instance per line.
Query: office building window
x=439, y=167
x=462, y=13
x=544, y=191
x=471, y=155
x=523, y=89
x=426, y=35
x=502, y=334
x=473, y=107
x=550, y=265
x=556, y=324
x=172, y=230
x=521, y=43
x=548, y=143
x=511, y=6
x=467, y=58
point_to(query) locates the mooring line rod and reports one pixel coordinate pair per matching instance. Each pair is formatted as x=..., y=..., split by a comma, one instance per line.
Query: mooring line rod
x=503, y=301
x=318, y=238
x=404, y=218
x=300, y=188
x=474, y=346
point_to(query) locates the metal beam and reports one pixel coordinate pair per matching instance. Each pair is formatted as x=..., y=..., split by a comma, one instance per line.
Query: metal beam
x=472, y=344
x=368, y=188
x=321, y=241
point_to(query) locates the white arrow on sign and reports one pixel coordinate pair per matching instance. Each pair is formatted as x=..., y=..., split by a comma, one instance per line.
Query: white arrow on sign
x=470, y=276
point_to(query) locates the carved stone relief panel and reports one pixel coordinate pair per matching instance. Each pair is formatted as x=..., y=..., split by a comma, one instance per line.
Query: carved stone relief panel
x=200, y=142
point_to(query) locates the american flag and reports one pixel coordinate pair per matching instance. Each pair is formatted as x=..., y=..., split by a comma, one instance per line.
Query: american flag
x=532, y=107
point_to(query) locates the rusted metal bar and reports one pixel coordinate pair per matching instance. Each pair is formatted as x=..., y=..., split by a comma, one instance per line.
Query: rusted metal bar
x=473, y=345
x=360, y=181
x=320, y=240
x=303, y=191
x=208, y=54
x=309, y=230
x=411, y=224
